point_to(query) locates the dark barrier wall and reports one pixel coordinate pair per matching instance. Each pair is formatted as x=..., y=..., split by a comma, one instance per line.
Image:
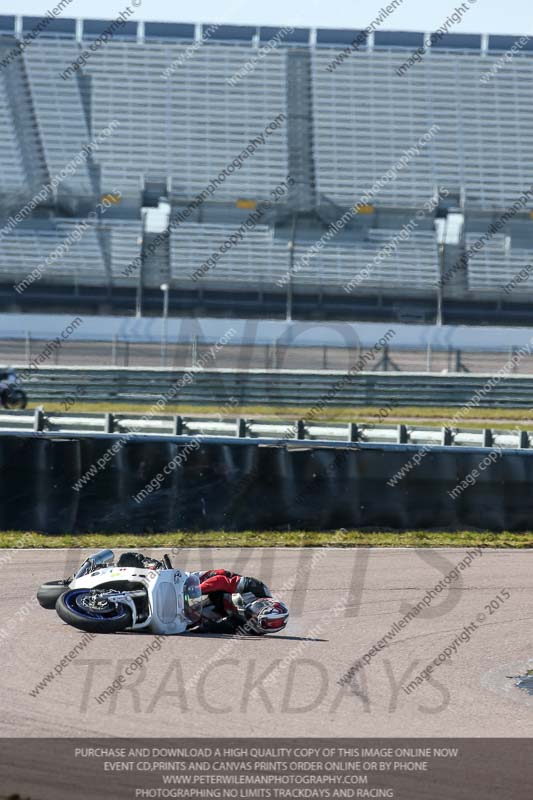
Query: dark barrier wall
x=256, y=484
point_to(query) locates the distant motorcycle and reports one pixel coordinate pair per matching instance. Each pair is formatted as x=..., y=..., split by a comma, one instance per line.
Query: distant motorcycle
x=11, y=395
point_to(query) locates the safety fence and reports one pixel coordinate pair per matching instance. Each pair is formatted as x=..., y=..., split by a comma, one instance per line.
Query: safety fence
x=256, y=387
x=123, y=352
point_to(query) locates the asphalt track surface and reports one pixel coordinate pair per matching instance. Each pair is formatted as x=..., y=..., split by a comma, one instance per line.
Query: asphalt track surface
x=344, y=601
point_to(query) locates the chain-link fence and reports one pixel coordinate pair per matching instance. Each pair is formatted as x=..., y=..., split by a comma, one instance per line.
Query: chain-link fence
x=124, y=353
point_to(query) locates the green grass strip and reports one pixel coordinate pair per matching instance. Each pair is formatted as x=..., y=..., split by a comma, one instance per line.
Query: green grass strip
x=17, y=540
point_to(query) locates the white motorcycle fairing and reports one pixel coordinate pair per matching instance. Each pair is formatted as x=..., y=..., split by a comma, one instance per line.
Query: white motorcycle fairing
x=164, y=590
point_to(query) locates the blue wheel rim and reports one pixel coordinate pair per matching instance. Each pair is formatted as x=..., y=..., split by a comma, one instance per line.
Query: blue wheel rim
x=70, y=601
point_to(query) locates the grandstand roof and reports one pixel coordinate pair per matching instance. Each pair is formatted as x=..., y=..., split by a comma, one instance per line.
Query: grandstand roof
x=322, y=37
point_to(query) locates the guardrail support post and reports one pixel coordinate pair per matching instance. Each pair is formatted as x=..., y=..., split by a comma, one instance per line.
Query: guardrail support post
x=488, y=439
x=240, y=428
x=446, y=437
x=524, y=440
x=353, y=432
x=300, y=429
x=38, y=420
x=403, y=435
x=177, y=425
x=109, y=423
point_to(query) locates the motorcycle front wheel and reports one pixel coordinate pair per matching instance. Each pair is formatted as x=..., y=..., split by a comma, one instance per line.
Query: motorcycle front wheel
x=86, y=610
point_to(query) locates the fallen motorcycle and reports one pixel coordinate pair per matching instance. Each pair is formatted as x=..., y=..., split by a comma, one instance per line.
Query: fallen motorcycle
x=104, y=598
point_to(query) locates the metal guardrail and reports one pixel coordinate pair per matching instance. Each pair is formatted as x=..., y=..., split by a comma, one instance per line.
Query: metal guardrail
x=274, y=387
x=170, y=426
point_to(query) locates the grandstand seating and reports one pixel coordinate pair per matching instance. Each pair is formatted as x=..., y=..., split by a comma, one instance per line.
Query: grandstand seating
x=345, y=128
x=192, y=125
x=27, y=247
x=12, y=175
x=59, y=110
x=366, y=117
x=497, y=263
x=259, y=260
x=412, y=266
x=123, y=239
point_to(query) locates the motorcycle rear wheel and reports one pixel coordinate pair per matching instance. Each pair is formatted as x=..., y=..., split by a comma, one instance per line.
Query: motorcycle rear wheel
x=73, y=609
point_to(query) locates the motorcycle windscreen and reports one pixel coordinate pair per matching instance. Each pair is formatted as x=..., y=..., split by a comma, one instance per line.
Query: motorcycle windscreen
x=103, y=558
x=192, y=599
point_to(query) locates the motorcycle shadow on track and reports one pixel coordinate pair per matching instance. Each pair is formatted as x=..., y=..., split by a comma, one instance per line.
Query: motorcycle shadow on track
x=195, y=635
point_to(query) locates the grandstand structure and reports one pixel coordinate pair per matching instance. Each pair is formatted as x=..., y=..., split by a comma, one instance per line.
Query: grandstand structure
x=223, y=178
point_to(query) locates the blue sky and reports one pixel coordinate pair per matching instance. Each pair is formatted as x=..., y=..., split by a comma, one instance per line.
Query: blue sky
x=484, y=16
